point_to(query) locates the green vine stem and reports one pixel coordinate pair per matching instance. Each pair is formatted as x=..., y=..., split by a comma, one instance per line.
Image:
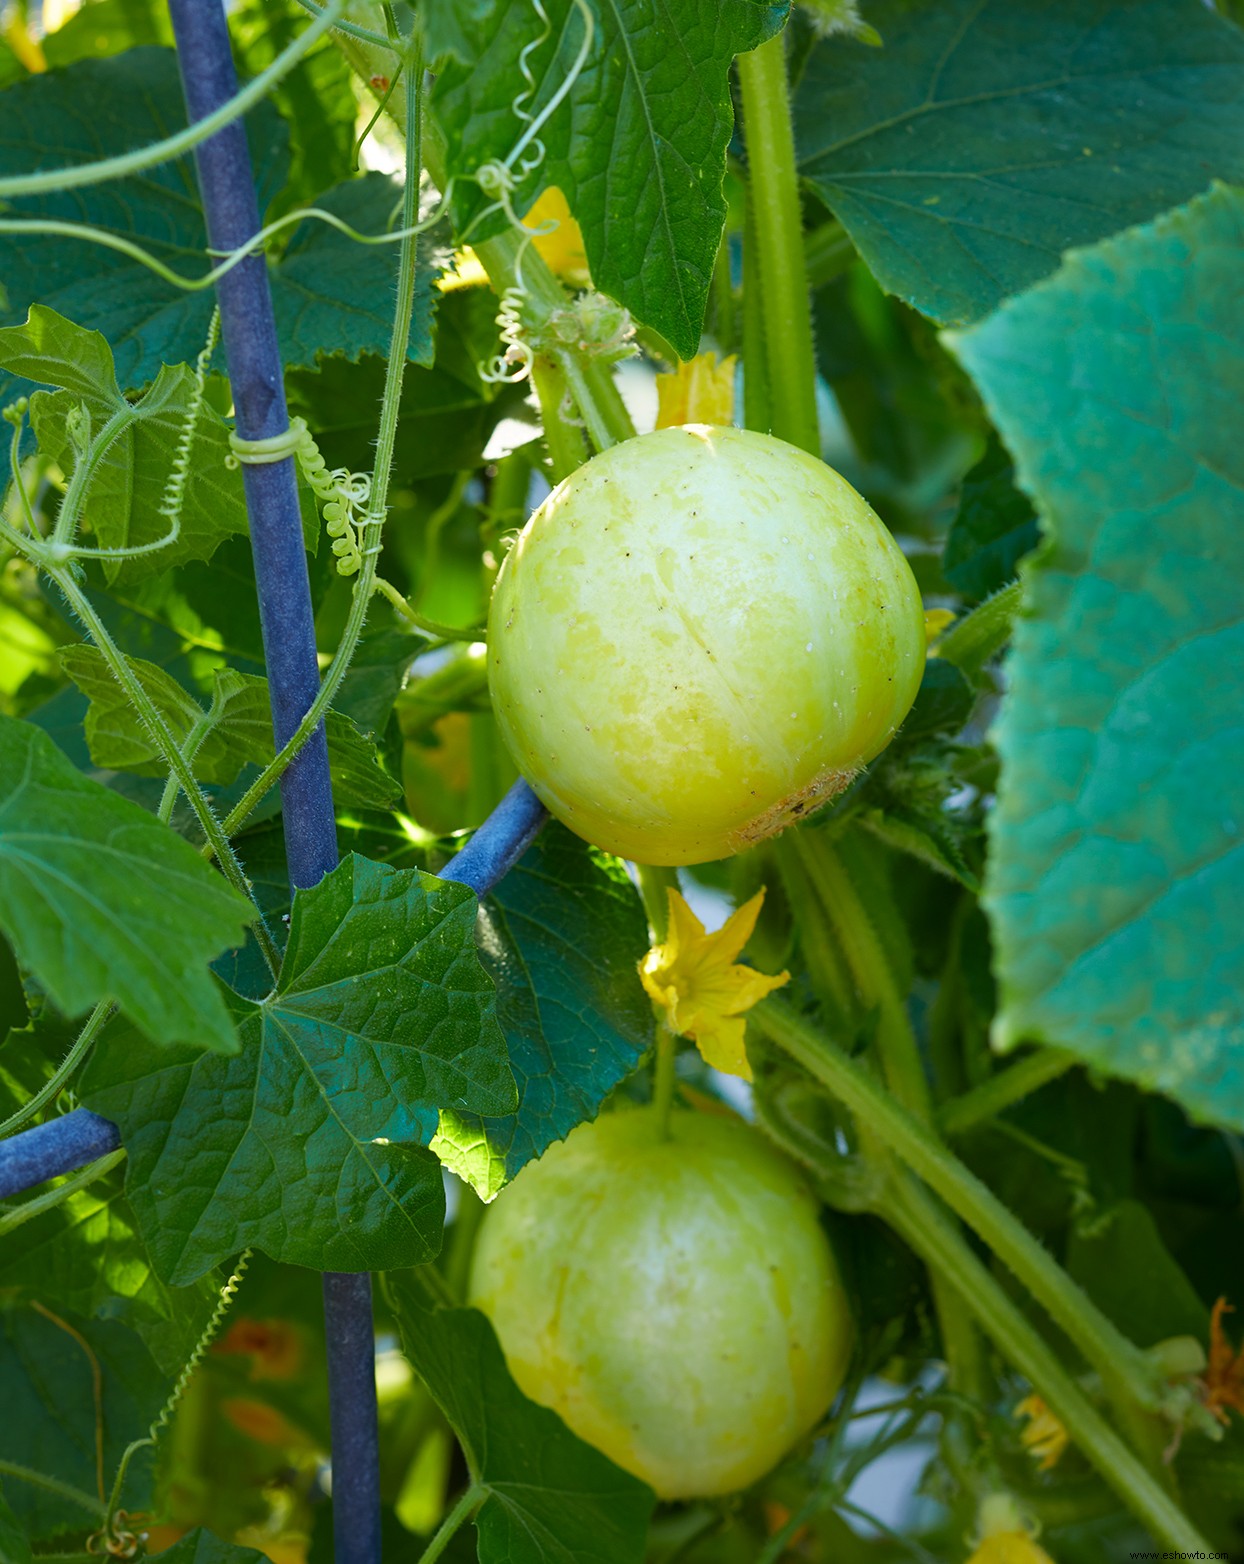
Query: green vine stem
x=75, y=176
x=80, y=481
x=757, y=413
x=386, y=440
x=1120, y=1363
x=1000, y=1091
x=52, y=1088
x=54, y=1197
x=845, y=911
x=562, y=435
x=776, y=225
x=432, y=627
x=170, y=752
x=27, y=1474
x=664, y=1078
x=923, y=1224
x=453, y=1522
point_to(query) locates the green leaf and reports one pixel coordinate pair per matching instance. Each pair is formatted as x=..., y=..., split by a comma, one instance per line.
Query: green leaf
x=562, y=937
x=638, y=144
x=988, y=136
x=334, y=296
x=204, y=1547
x=129, y=482
x=331, y=295
x=943, y=704
x=51, y=1422
x=102, y=901
x=1117, y=865
x=53, y=351
x=242, y=734
x=551, y=1499
x=1118, y=1257
x=14, y=1544
x=308, y=1143
x=86, y=1255
x=994, y=527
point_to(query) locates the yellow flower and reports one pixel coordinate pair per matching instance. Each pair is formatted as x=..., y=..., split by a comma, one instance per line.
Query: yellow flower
x=694, y=980
x=1003, y=1536
x=1010, y=1547
x=701, y=392
x=936, y=622
x=1045, y=1437
x=562, y=247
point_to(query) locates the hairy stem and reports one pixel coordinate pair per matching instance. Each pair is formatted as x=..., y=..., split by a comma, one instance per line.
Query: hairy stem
x=51, y=1089
x=563, y=437
x=922, y=1223
x=453, y=1522
x=170, y=752
x=1000, y=1091
x=1103, y=1346
x=55, y=1197
x=776, y=226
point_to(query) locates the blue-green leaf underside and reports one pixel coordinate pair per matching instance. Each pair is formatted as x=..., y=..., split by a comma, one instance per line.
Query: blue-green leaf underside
x=100, y=900
x=638, y=144
x=989, y=136
x=561, y=936
x=310, y=1144
x=551, y=1499
x=1116, y=872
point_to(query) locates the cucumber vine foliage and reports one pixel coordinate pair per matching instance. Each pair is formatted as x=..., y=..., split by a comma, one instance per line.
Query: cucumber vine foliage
x=1004, y=306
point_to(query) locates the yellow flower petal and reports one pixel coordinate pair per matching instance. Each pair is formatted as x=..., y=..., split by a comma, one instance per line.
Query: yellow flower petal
x=1010, y=1547
x=936, y=622
x=702, y=993
x=700, y=392
x=1003, y=1533
x=562, y=246
x=720, y=1041
x=1045, y=1437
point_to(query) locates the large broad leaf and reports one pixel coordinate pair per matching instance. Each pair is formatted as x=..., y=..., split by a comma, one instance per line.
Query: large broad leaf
x=98, y=108
x=87, y=1255
x=638, y=144
x=102, y=901
x=130, y=482
x=1117, y=867
x=551, y=1499
x=335, y=296
x=50, y=1366
x=309, y=1143
x=562, y=936
x=988, y=136
x=242, y=734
